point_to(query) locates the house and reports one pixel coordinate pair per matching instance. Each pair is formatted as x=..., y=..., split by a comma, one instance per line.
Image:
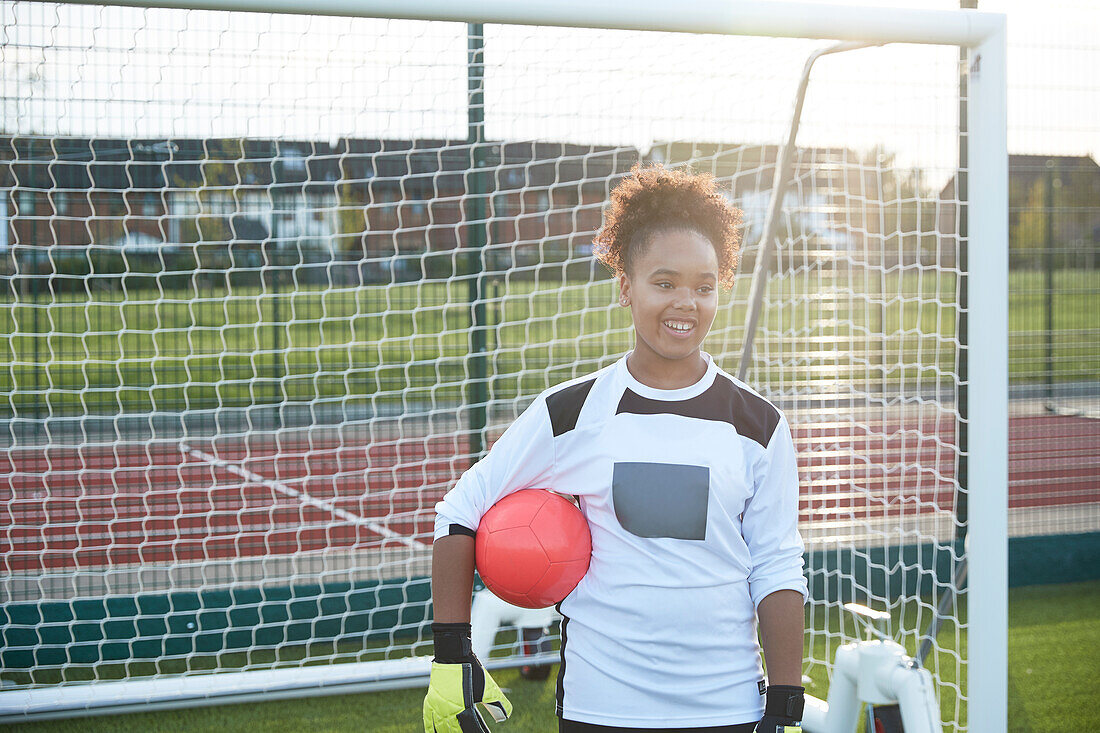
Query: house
x=1070, y=219
x=370, y=210
x=379, y=209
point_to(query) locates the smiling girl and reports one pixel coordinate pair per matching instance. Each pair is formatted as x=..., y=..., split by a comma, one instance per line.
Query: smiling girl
x=688, y=480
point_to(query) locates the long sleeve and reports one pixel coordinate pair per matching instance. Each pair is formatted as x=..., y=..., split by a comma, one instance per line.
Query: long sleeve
x=522, y=458
x=770, y=521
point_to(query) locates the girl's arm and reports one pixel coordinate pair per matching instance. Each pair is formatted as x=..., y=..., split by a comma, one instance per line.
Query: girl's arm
x=458, y=680
x=453, y=578
x=781, y=629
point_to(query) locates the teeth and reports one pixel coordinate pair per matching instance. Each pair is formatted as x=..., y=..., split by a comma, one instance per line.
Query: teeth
x=677, y=326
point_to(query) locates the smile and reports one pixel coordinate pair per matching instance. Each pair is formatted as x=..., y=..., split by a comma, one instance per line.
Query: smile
x=680, y=326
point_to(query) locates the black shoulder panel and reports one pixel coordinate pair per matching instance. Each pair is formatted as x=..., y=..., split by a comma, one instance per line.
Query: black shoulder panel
x=750, y=415
x=565, y=405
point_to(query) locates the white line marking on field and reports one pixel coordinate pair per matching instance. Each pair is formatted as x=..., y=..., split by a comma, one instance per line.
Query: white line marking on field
x=302, y=496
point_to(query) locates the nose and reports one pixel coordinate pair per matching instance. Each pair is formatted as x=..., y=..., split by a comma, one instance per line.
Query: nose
x=685, y=299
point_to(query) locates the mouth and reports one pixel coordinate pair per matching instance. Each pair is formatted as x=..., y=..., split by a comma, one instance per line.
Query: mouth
x=679, y=327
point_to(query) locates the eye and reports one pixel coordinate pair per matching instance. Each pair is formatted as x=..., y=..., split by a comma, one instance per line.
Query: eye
x=706, y=289
x=664, y=284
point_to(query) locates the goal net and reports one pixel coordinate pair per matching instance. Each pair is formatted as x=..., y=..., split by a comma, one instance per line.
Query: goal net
x=270, y=283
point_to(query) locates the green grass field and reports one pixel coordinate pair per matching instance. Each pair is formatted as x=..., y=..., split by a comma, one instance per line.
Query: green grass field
x=142, y=351
x=1054, y=632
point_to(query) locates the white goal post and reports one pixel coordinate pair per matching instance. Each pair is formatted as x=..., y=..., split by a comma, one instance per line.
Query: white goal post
x=294, y=272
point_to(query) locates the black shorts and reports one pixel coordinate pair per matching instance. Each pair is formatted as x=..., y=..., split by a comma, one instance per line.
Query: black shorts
x=570, y=726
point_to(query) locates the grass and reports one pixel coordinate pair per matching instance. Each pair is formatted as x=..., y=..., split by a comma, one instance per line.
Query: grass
x=143, y=351
x=1054, y=635
x=1054, y=632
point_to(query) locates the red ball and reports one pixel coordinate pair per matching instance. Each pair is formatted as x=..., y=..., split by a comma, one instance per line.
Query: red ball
x=532, y=548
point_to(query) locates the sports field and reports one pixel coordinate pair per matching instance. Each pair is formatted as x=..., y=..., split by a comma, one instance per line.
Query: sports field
x=1052, y=681
x=366, y=488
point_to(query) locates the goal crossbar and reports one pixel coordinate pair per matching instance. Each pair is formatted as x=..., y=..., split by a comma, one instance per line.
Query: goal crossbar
x=778, y=19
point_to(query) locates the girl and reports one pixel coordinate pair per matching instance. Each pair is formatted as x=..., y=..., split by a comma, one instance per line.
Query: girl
x=687, y=478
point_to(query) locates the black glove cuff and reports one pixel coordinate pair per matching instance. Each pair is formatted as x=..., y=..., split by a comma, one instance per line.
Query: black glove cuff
x=452, y=643
x=785, y=701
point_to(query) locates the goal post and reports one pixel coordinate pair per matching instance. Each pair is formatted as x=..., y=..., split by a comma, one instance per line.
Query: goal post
x=987, y=554
x=268, y=287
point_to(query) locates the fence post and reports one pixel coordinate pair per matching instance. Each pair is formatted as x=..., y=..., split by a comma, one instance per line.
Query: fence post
x=1048, y=281
x=476, y=189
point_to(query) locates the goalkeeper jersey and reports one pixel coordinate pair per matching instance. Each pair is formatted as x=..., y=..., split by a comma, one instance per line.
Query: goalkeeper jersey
x=691, y=496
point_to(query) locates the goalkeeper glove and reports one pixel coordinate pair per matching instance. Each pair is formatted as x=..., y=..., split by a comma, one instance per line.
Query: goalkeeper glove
x=782, y=709
x=458, y=682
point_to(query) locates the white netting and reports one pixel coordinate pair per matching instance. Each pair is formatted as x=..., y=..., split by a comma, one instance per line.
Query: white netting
x=252, y=261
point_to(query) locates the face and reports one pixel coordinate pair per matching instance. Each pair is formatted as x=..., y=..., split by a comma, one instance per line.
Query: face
x=672, y=292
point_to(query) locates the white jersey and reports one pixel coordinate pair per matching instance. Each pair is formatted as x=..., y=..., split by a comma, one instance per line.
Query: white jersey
x=691, y=496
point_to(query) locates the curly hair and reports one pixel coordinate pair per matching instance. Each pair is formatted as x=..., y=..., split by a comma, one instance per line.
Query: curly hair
x=654, y=199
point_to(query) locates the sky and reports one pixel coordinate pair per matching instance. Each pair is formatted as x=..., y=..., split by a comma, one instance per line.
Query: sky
x=162, y=74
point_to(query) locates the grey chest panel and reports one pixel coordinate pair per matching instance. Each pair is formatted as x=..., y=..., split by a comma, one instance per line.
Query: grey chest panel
x=662, y=499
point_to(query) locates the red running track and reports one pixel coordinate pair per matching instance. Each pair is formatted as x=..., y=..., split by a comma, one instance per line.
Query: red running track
x=84, y=507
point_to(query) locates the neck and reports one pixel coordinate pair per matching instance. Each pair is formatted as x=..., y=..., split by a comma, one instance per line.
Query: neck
x=666, y=373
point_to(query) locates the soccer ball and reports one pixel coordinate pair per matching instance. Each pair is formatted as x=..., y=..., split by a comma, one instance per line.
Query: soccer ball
x=532, y=548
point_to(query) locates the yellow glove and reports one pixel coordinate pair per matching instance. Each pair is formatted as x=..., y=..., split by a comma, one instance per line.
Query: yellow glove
x=457, y=684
